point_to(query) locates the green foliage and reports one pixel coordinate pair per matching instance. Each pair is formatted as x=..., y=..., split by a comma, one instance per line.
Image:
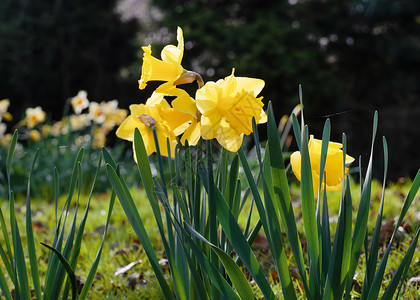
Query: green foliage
x=209, y=261
x=62, y=261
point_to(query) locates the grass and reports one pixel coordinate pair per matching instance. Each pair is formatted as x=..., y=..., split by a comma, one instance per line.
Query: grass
x=122, y=246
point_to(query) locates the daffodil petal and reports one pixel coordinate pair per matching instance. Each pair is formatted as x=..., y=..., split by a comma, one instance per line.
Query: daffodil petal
x=250, y=85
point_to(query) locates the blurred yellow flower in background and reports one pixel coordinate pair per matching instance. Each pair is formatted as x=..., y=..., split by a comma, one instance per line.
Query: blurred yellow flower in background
x=167, y=69
x=333, y=166
x=96, y=112
x=227, y=108
x=80, y=102
x=99, y=138
x=35, y=135
x=4, y=115
x=34, y=116
x=79, y=122
x=5, y=140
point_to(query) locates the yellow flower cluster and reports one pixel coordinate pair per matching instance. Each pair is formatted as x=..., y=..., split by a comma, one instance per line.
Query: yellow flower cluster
x=221, y=110
x=99, y=119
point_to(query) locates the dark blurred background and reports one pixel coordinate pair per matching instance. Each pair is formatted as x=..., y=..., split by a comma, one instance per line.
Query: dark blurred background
x=351, y=57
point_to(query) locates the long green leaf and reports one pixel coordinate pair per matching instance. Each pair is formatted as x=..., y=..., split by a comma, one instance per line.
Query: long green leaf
x=402, y=268
x=273, y=217
x=30, y=237
x=235, y=274
x=92, y=271
x=211, y=271
x=54, y=263
x=79, y=236
x=340, y=256
x=374, y=248
x=362, y=215
x=308, y=213
x=143, y=166
x=68, y=269
x=133, y=216
x=4, y=287
x=282, y=196
x=19, y=256
x=376, y=284
x=60, y=275
x=236, y=238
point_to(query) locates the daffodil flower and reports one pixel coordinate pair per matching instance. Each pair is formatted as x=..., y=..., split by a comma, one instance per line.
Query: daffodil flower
x=227, y=108
x=167, y=69
x=333, y=166
x=158, y=114
x=80, y=102
x=34, y=116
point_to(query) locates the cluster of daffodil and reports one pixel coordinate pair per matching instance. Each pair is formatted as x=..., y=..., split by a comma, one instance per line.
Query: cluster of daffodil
x=221, y=110
x=99, y=120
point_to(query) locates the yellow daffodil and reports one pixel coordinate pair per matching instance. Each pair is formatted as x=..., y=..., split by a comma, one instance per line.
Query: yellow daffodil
x=333, y=166
x=167, y=69
x=227, y=108
x=96, y=112
x=78, y=122
x=34, y=116
x=5, y=140
x=35, y=135
x=4, y=105
x=168, y=123
x=80, y=102
x=99, y=138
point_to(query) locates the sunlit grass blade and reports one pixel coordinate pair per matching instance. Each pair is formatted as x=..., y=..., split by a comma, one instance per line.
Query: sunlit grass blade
x=60, y=275
x=309, y=214
x=6, y=261
x=236, y=238
x=4, y=286
x=212, y=221
x=374, y=248
x=79, y=236
x=133, y=216
x=232, y=180
x=340, y=256
x=362, y=215
x=210, y=270
x=402, y=270
x=53, y=262
x=180, y=284
x=9, y=160
x=19, y=256
x=143, y=166
x=235, y=274
x=273, y=217
x=33, y=260
x=68, y=269
x=376, y=284
x=297, y=131
x=92, y=272
x=180, y=201
x=281, y=191
x=326, y=235
x=278, y=251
